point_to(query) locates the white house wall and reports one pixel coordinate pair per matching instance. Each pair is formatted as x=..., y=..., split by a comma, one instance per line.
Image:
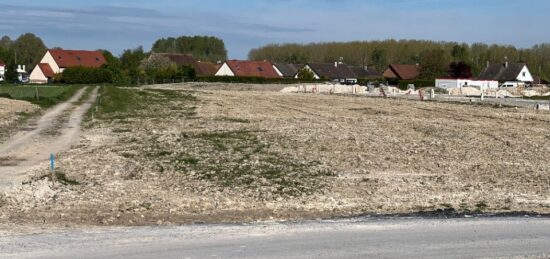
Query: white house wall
x=278, y=72
x=525, y=75
x=446, y=83
x=225, y=71
x=37, y=76
x=48, y=58
x=458, y=83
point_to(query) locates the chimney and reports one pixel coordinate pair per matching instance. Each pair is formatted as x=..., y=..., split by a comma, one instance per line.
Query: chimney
x=366, y=67
x=506, y=61
x=335, y=64
x=488, y=63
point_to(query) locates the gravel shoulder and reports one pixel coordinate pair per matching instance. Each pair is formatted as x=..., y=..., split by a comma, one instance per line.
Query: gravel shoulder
x=182, y=155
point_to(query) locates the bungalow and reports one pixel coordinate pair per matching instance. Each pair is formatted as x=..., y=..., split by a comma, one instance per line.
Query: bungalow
x=2, y=70
x=243, y=68
x=55, y=61
x=337, y=72
x=401, y=72
x=515, y=74
x=201, y=68
x=287, y=70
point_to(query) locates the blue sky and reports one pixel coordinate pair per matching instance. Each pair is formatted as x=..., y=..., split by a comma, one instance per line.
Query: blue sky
x=121, y=24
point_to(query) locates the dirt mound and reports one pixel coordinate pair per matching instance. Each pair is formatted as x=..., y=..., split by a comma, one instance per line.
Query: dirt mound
x=326, y=88
x=13, y=112
x=465, y=91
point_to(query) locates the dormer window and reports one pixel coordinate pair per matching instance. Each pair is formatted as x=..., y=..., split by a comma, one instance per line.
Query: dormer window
x=78, y=58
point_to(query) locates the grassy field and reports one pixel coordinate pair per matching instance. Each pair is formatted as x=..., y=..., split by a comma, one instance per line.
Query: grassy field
x=44, y=96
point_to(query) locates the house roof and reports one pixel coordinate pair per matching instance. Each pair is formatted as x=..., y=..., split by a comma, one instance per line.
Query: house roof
x=405, y=72
x=205, y=68
x=76, y=58
x=502, y=72
x=365, y=72
x=332, y=71
x=46, y=70
x=288, y=70
x=180, y=59
x=252, y=68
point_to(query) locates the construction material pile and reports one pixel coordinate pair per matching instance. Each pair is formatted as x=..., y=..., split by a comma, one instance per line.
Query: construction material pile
x=326, y=88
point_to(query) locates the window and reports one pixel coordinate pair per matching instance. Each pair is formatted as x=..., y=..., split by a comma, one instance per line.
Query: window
x=524, y=74
x=260, y=69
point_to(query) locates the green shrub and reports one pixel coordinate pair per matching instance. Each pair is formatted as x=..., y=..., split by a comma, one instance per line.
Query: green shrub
x=85, y=75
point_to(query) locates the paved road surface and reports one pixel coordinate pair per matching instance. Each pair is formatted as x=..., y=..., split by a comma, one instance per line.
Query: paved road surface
x=358, y=238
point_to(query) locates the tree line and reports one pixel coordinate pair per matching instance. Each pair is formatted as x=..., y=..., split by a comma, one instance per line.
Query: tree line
x=436, y=55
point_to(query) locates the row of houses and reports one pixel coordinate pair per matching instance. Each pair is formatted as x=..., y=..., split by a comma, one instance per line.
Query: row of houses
x=494, y=75
x=337, y=72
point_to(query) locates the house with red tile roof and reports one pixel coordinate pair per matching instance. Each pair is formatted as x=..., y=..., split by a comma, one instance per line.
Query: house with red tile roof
x=241, y=68
x=402, y=72
x=55, y=61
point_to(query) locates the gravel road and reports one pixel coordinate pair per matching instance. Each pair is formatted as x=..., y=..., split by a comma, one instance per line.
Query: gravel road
x=355, y=238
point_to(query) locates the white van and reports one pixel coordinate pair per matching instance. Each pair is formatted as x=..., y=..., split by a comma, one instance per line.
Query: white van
x=509, y=85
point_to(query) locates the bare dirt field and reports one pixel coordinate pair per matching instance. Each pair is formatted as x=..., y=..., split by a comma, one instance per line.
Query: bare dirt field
x=12, y=113
x=200, y=154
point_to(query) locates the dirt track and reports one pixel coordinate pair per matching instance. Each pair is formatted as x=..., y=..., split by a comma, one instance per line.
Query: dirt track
x=31, y=147
x=253, y=155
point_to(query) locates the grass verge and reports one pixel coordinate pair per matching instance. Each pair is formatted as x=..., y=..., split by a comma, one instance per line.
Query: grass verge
x=44, y=96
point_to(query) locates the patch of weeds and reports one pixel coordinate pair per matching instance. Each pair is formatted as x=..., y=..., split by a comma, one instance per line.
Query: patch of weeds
x=481, y=206
x=368, y=110
x=127, y=155
x=446, y=205
x=122, y=103
x=240, y=159
x=186, y=160
x=121, y=130
x=233, y=120
x=464, y=206
x=164, y=153
x=146, y=205
x=60, y=177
